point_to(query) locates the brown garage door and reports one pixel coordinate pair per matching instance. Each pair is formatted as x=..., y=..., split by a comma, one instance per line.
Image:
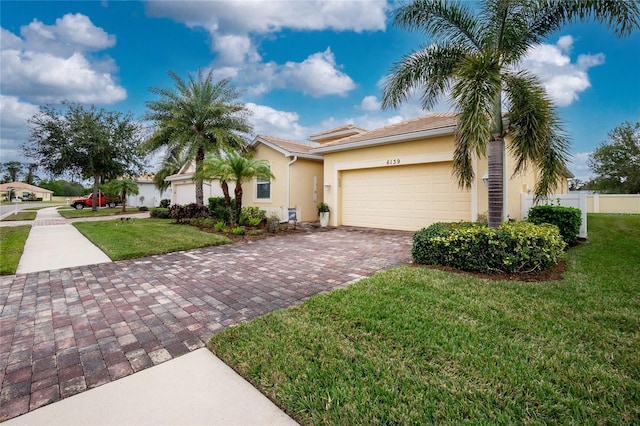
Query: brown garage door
x=402, y=197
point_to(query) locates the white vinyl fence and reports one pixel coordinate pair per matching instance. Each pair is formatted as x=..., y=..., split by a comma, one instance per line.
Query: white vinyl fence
x=579, y=201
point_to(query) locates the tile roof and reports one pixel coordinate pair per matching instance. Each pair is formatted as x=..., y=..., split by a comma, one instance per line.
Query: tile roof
x=420, y=124
x=22, y=185
x=341, y=129
x=288, y=145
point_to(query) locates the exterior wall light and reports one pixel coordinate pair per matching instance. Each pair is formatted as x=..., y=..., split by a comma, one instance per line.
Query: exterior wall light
x=485, y=179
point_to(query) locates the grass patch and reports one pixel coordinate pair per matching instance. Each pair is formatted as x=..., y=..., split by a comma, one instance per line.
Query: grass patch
x=145, y=237
x=12, y=239
x=419, y=346
x=69, y=213
x=21, y=215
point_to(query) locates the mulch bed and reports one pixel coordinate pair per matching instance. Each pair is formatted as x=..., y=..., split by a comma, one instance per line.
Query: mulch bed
x=553, y=274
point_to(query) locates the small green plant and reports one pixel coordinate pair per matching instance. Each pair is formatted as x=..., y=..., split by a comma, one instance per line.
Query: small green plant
x=143, y=208
x=165, y=203
x=255, y=221
x=323, y=208
x=255, y=232
x=238, y=230
x=273, y=223
x=220, y=226
x=159, y=213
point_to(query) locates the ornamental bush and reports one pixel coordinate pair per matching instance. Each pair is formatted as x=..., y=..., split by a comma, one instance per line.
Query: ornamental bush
x=189, y=211
x=159, y=213
x=252, y=214
x=567, y=219
x=513, y=247
x=219, y=210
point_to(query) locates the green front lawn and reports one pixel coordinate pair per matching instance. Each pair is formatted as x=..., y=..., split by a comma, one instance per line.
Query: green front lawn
x=70, y=213
x=145, y=237
x=12, y=239
x=21, y=215
x=420, y=346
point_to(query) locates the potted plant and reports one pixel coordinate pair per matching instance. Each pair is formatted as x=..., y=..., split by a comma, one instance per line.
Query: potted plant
x=323, y=214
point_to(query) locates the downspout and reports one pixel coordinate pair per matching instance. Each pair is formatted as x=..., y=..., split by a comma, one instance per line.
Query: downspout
x=295, y=158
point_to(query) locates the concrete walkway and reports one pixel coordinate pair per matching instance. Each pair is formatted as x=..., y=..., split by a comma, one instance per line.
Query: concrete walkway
x=77, y=334
x=53, y=243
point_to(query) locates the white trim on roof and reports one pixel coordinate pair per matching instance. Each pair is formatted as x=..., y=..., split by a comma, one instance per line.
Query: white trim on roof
x=404, y=137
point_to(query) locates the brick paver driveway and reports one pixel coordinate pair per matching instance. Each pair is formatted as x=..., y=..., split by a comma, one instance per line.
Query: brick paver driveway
x=68, y=330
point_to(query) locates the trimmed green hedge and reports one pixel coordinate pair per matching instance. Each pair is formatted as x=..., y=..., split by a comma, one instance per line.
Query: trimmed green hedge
x=513, y=247
x=159, y=213
x=567, y=219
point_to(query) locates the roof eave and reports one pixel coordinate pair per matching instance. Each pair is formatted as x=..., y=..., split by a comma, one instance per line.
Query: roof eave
x=404, y=137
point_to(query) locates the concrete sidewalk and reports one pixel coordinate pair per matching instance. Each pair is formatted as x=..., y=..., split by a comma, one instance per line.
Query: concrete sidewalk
x=53, y=243
x=195, y=388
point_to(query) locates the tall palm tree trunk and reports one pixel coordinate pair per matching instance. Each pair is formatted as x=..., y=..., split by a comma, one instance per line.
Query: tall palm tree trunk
x=227, y=199
x=495, y=157
x=199, y=186
x=496, y=180
x=238, y=193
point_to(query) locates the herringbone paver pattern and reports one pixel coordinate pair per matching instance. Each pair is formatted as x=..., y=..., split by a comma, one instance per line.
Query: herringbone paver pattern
x=68, y=330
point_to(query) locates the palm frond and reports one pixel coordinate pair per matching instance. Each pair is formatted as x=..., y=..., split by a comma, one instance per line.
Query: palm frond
x=450, y=22
x=537, y=136
x=476, y=91
x=428, y=70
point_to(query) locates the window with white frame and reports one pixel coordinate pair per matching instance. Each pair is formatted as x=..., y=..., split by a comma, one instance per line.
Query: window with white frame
x=263, y=188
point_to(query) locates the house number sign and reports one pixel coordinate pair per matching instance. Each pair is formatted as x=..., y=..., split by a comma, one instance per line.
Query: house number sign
x=393, y=162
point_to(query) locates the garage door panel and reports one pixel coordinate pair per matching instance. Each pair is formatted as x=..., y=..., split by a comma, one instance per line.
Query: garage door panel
x=402, y=197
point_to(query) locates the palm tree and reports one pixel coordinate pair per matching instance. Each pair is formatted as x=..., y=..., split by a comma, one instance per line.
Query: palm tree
x=474, y=59
x=122, y=187
x=199, y=117
x=236, y=167
x=171, y=164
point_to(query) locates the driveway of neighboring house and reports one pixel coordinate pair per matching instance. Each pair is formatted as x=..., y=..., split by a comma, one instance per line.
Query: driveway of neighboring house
x=68, y=330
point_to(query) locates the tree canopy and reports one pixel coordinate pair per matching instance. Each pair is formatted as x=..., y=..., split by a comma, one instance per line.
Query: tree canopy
x=472, y=55
x=86, y=142
x=616, y=163
x=199, y=117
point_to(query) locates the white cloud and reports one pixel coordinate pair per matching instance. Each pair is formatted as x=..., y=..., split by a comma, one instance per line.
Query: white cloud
x=579, y=166
x=263, y=17
x=236, y=26
x=562, y=79
x=15, y=129
x=49, y=63
x=317, y=76
x=272, y=122
x=370, y=103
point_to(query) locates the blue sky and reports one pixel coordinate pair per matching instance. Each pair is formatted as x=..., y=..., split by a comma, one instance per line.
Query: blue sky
x=303, y=66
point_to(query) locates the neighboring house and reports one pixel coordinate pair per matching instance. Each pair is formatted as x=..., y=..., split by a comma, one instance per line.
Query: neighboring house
x=401, y=177
x=25, y=191
x=298, y=179
x=148, y=194
x=183, y=187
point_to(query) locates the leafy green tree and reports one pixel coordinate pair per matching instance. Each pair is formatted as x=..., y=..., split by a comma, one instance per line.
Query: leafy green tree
x=13, y=170
x=199, y=117
x=63, y=187
x=31, y=177
x=472, y=56
x=617, y=163
x=238, y=168
x=88, y=142
x=122, y=187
